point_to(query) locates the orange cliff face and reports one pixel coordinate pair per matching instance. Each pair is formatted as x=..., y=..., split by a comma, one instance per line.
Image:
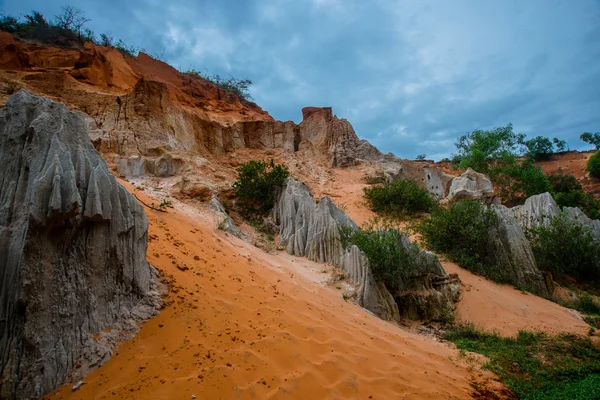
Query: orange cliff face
x=141, y=106
x=106, y=72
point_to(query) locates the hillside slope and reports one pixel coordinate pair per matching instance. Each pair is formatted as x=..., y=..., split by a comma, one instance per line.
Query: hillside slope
x=246, y=324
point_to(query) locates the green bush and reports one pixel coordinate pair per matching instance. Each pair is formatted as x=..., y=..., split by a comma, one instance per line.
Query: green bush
x=593, y=165
x=566, y=247
x=463, y=233
x=390, y=261
x=586, y=304
x=257, y=184
x=535, y=365
x=568, y=192
x=399, y=198
x=516, y=181
x=564, y=183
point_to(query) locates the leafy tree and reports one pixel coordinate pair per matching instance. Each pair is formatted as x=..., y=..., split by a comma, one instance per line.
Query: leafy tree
x=561, y=145
x=593, y=165
x=257, y=184
x=516, y=181
x=421, y=157
x=591, y=138
x=481, y=149
x=539, y=148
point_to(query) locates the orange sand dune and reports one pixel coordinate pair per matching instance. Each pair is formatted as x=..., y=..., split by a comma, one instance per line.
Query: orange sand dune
x=246, y=324
x=507, y=310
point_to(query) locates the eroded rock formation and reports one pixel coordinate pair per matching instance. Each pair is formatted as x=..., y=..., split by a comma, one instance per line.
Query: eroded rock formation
x=512, y=254
x=73, y=250
x=539, y=210
x=312, y=230
x=471, y=185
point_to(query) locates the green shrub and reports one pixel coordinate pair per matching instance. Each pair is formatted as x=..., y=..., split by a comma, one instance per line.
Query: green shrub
x=586, y=304
x=257, y=184
x=566, y=247
x=534, y=365
x=389, y=259
x=564, y=183
x=399, y=198
x=463, y=233
x=593, y=165
x=568, y=192
x=516, y=181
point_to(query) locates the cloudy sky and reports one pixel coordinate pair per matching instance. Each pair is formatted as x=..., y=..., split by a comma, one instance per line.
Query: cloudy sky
x=410, y=75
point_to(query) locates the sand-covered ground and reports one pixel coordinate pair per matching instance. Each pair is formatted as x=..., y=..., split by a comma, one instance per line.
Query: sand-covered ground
x=245, y=324
x=242, y=323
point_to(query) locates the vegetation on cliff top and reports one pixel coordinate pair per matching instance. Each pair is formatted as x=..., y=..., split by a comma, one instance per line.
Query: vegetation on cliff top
x=240, y=87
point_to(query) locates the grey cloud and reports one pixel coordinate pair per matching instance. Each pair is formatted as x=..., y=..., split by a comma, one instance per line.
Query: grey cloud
x=411, y=76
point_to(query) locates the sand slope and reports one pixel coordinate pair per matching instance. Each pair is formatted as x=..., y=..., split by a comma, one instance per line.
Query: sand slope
x=507, y=310
x=244, y=324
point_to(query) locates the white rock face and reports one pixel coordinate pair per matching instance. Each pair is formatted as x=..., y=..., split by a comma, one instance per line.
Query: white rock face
x=471, y=185
x=72, y=254
x=539, y=210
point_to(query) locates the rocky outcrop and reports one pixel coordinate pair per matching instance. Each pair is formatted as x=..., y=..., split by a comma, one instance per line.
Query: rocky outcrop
x=73, y=250
x=12, y=54
x=512, y=254
x=104, y=67
x=539, y=210
x=575, y=214
x=312, y=230
x=471, y=185
x=428, y=176
x=226, y=223
x=334, y=137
